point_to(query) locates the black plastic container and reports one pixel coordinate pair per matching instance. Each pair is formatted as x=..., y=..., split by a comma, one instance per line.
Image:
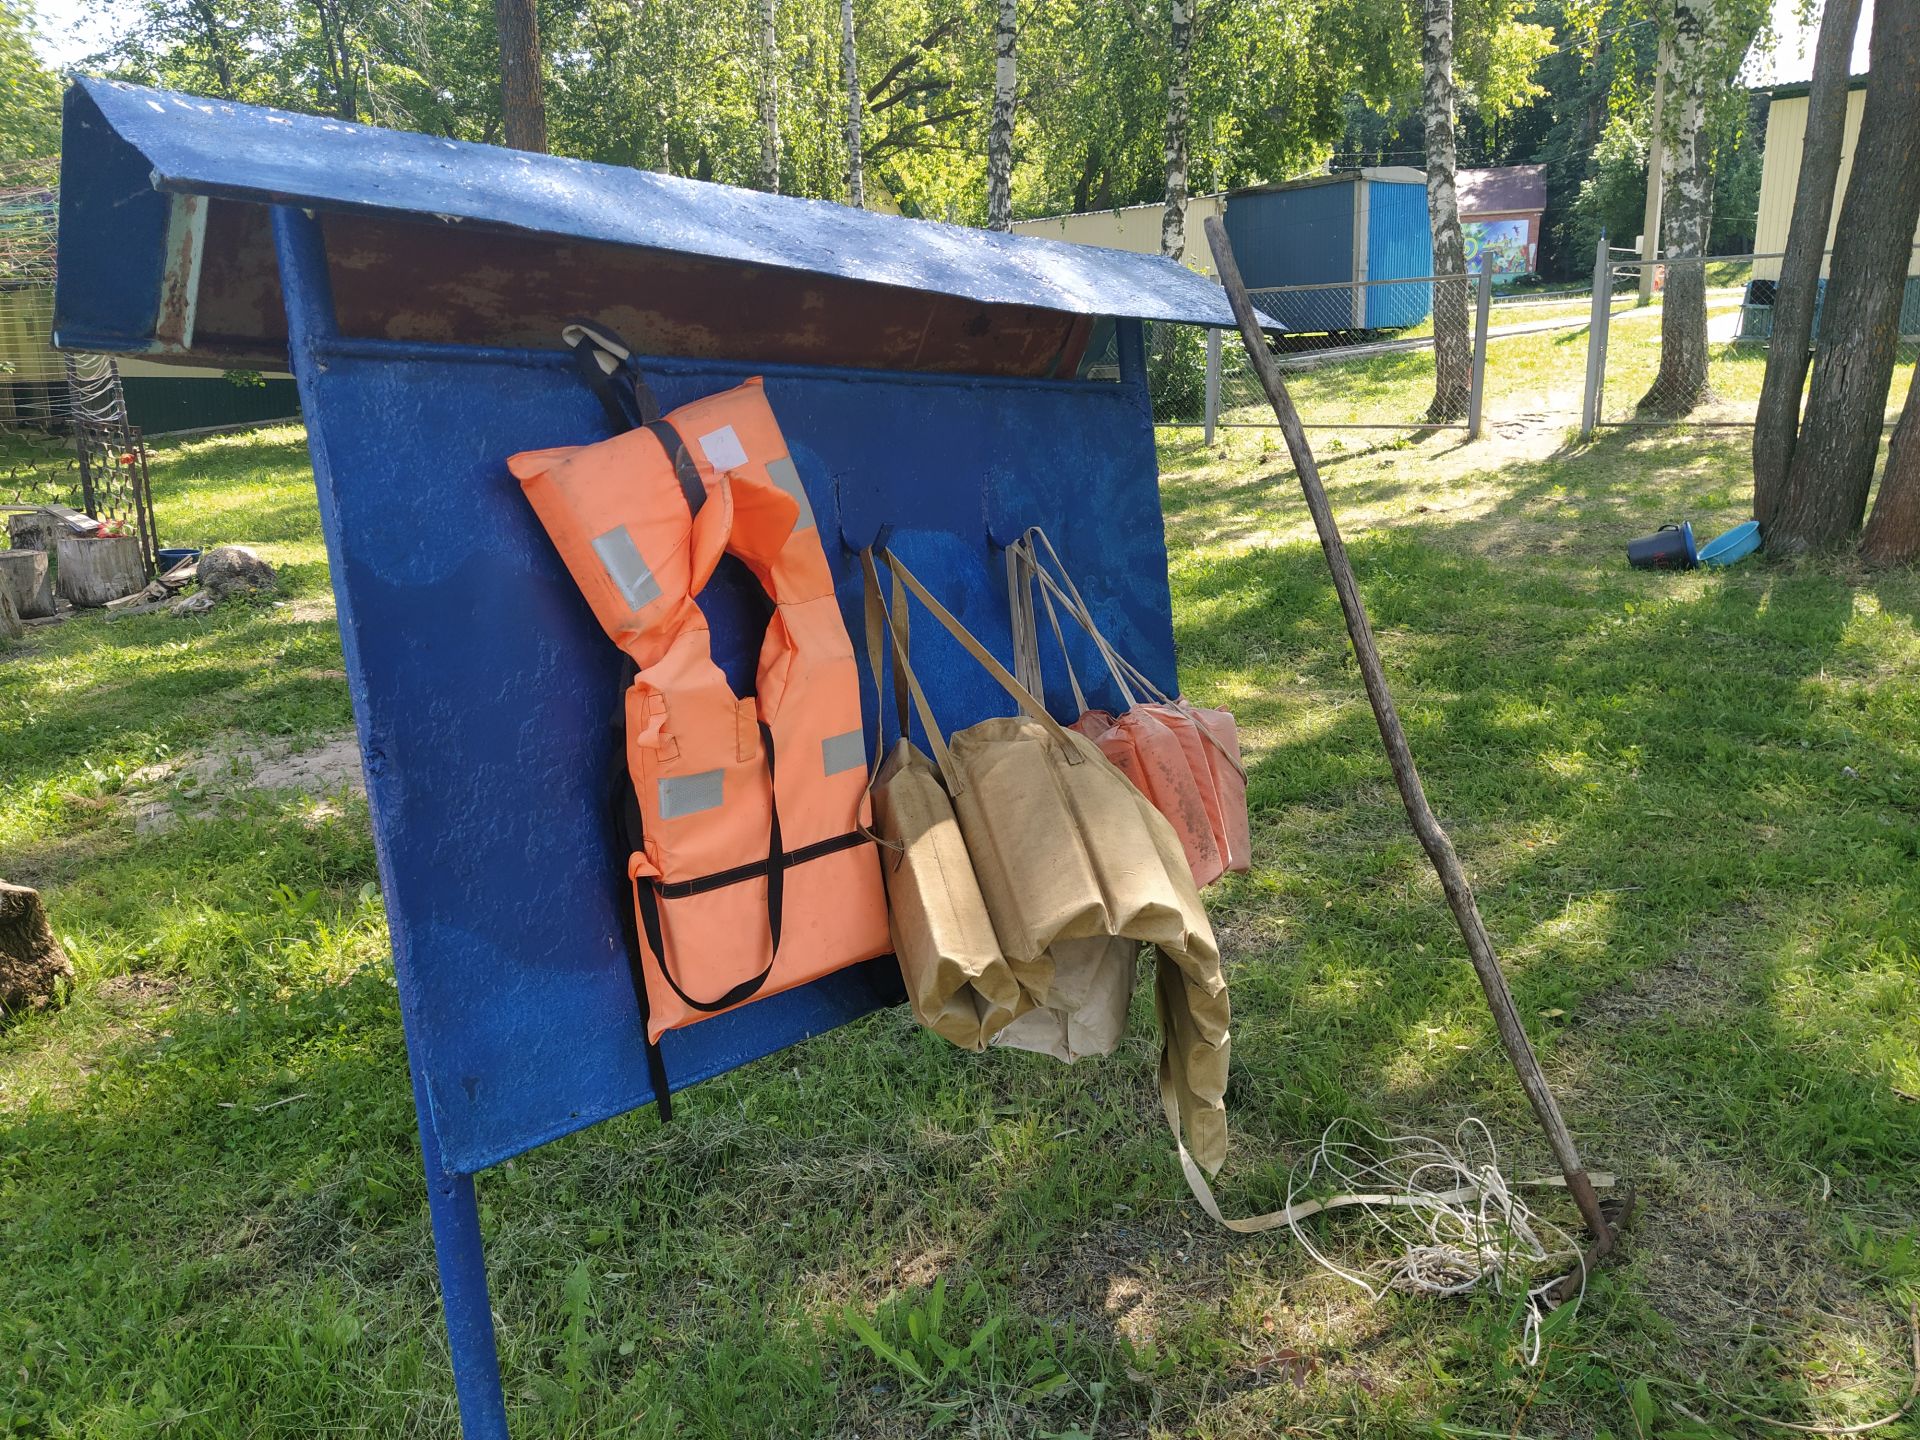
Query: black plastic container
x=1668, y=548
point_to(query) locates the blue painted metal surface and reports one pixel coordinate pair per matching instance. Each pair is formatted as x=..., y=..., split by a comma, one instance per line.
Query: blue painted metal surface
x=485, y=694
x=1329, y=230
x=127, y=146
x=484, y=691
x=1300, y=236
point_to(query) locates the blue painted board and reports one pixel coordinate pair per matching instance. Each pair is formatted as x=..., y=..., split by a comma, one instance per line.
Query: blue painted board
x=485, y=693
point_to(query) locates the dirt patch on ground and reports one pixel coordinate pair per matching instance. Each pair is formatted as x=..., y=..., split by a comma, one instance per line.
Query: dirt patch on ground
x=136, y=990
x=328, y=768
x=1702, y=983
x=101, y=1021
x=1734, y=1271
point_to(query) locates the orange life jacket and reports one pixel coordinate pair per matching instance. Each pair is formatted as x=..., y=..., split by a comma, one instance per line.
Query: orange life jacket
x=755, y=873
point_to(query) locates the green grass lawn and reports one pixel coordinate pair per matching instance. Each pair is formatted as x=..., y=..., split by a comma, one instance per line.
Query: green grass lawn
x=1691, y=805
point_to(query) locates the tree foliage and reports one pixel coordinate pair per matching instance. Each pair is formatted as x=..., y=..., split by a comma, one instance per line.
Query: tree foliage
x=673, y=84
x=1275, y=88
x=29, y=96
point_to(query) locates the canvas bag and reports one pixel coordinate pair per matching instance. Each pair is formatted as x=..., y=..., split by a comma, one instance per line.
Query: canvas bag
x=1076, y=870
x=1184, y=758
x=958, y=981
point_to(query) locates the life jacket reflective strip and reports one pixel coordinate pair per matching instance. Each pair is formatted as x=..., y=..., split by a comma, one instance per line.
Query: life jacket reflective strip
x=756, y=873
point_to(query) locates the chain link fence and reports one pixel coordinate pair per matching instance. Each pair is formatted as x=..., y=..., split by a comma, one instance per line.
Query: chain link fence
x=1362, y=355
x=1644, y=367
x=1357, y=355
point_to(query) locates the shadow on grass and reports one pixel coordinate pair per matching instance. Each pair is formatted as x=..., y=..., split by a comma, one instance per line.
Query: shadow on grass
x=1636, y=772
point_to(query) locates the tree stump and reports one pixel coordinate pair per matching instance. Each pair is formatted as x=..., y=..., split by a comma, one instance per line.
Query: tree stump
x=32, y=964
x=33, y=530
x=97, y=568
x=27, y=581
x=10, y=626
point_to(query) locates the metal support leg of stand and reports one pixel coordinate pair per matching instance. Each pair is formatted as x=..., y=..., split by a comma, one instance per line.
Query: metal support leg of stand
x=451, y=1205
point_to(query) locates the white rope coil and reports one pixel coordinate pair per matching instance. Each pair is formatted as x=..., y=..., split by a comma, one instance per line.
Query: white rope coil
x=1453, y=1223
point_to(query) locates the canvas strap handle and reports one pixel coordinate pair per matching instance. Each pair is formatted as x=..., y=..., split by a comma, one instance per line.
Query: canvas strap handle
x=1122, y=669
x=1070, y=598
x=1021, y=695
x=1023, y=574
x=1306, y=1209
x=905, y=682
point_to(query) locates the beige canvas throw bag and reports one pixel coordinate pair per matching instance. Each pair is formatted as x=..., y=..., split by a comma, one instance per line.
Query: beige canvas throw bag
x=957, y=977
x=1076, y=870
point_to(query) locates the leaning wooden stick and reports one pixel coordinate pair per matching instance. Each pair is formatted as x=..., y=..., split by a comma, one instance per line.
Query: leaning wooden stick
x=1434, y=839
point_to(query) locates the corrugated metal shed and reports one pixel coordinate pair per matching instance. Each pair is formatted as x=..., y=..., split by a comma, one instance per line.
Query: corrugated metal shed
x=1332, y=230
x=167, y=251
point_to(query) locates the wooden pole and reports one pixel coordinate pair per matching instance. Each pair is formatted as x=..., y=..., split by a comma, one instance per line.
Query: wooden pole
x=1433, y=839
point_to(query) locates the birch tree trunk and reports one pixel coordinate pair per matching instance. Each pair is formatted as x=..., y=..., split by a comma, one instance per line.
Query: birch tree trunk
x=850, y=69
x=769, y=100
x=1893, y=534
x=523, y=106
x=1832, y=468
x=1777, y=423
x=1000, y=128
x=1173, y=226
x=1687, y=180
x=1452, y=340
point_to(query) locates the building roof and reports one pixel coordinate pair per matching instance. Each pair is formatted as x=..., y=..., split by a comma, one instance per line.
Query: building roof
x=1387, y=174
x=1800, y=89
x=186, y=145
x=1501, y=190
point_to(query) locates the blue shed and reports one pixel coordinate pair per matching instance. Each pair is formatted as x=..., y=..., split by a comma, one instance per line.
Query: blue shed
x=932, y=383
x=1328, y=232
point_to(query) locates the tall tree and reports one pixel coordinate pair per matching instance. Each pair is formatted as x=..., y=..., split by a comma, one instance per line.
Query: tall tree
x=850, y=71
x=1832, y=468
x=1777, y=422
x=1704, y=44
x=523, y=106
x=1000, y=127
x=1452, y=338
x=769, y=99
x=1893, y=534
x=1686, y=177
x=1173, y=225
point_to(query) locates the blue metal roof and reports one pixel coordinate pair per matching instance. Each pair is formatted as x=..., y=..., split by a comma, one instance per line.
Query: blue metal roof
x=197, y=146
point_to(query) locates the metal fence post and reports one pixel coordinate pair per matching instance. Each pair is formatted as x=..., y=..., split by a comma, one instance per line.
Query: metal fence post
x=1213, y=382
x=1597, y=335
x=1483, y=310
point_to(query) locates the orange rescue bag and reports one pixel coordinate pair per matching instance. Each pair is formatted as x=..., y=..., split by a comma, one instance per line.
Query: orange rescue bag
x=1184, y=758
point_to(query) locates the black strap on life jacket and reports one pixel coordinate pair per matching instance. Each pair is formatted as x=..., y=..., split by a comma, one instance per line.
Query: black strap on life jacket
x=646, y=892
x=627, y=825
x=607, y=365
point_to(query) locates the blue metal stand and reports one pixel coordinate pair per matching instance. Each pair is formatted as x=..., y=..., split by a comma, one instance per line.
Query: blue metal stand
x=451, y=1204
x=455, y=1213
x=929, y=382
